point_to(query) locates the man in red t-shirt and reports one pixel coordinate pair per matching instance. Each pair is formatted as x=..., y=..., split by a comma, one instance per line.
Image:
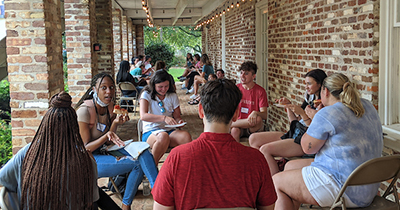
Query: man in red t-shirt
x=215, y=171
x=254, y=103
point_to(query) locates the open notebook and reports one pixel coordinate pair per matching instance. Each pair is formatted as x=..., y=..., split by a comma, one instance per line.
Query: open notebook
x=134, y=148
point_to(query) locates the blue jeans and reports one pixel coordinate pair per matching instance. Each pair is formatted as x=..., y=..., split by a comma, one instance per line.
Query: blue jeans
x=108, y=165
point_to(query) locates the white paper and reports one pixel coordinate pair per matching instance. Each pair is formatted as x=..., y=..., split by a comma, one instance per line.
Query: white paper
x=175, y=126
x=279, y=105
x=134, y=148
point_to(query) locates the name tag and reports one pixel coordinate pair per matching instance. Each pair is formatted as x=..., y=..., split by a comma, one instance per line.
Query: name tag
x=101, y=127
x=244, y=110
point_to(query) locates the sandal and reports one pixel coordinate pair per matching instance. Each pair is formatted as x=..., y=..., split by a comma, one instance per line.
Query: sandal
x=193, y=102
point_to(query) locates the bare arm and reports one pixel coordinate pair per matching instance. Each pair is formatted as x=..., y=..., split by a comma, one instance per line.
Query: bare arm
x=157, y=206
x=311, y=145
x=263, y=113
x=84, y=130
x=144, y=115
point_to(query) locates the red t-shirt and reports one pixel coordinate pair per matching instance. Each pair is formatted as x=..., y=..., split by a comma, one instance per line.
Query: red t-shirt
x=214, y=171
x=252, y=100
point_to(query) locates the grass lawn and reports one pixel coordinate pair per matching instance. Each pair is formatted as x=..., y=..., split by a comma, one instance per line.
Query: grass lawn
x=176, y=72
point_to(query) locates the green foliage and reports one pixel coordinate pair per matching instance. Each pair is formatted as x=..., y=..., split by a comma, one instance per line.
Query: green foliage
x=65, y=68
x=176, y=72
x=5, y=96
x=160, y=51
x=5, y=142
x=181, y=38
x=179, y=61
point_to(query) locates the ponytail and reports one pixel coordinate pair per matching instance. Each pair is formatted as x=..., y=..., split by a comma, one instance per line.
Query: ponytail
x=343, y=89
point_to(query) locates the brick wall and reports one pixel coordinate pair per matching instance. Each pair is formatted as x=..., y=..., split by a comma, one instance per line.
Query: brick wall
x=239, y=38
x=104, y=36
x=80, y=32
x=124, y=31
x=130, y=39
x=139, y=39
x=34, y=68
x=336, y=36
x=117, y=36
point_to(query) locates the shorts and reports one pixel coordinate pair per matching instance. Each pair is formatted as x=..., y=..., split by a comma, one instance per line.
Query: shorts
x=296, y=132
x=146, y=135
x=323, y=187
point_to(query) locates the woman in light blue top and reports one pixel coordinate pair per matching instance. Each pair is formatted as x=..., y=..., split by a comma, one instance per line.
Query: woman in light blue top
x=343, y=135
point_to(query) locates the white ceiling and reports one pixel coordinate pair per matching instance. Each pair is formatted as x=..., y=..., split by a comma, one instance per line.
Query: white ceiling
x=169, y=12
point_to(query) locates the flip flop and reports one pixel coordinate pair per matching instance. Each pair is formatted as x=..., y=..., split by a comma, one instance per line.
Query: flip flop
x=193, y=102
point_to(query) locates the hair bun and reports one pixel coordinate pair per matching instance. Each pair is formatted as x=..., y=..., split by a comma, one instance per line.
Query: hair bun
x=61, y=100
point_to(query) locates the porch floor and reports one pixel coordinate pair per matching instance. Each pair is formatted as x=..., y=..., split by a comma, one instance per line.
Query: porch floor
x=194, y=126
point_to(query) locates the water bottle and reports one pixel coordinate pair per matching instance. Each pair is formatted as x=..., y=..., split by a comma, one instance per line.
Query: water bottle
x=146, y=187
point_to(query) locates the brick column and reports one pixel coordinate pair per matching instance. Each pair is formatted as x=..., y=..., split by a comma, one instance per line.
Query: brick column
x=35, y=72
x=117, y=36
x=139, y=39
x=105, y=36
x=124, y=31
x=130, y=39
x=134, y=48
x=80, y=32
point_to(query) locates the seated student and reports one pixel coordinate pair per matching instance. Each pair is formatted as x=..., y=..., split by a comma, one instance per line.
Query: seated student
x=278, y=144
x=139, y=72
x=188, y=65
x=97, y=126
x=196, y=100
x=159, y=106
x=220, y=74
x=215, y=171
x=148, y=65
x=160, y=65
x=343, y=135
x=55, y=165
x=254, y=104
x=203, y=75
x=193, y=69
x=123, y=75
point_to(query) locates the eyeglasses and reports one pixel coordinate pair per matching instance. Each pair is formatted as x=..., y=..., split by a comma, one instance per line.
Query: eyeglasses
x=161, y=105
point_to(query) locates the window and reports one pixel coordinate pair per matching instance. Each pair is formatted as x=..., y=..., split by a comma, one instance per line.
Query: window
x=389, y=64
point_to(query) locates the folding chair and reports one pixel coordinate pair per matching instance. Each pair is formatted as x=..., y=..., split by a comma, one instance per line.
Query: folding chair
x=130, y=87
x=374, y=171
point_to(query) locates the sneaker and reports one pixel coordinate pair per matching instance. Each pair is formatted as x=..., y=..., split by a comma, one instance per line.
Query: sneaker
x=187, y=91
x=191, y=90
x=193, y=96
x=183, y=86
x=182, y=79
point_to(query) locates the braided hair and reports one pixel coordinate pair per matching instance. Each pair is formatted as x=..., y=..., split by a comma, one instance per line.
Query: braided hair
x=57, y=171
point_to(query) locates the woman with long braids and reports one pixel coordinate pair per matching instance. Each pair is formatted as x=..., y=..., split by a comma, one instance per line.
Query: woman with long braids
x=97, y=126
x=343, y=135
x=54, y=171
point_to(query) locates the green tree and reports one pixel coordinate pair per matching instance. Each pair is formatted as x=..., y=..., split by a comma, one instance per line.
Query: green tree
x=160, y=51
x=180, y=38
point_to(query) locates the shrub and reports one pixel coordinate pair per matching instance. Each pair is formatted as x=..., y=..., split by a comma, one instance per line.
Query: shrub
x=160, y=51
x=5, y=142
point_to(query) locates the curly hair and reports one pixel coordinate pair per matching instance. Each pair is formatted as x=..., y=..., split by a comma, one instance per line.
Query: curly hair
x=249, y=66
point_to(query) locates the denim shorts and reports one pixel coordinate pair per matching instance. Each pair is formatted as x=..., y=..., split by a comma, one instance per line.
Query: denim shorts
x=146, y=135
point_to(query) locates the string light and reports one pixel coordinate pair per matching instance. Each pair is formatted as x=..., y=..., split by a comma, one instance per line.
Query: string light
x=232, y=5
x=237, y=4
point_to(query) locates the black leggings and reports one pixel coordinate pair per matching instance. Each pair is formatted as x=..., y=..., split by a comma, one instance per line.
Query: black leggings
x=191, y=79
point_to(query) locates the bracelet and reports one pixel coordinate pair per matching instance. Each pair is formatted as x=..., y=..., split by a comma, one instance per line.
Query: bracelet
x=307, y=119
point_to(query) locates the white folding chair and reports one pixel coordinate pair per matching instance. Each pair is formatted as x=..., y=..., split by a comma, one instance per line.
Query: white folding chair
x=128, y=86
